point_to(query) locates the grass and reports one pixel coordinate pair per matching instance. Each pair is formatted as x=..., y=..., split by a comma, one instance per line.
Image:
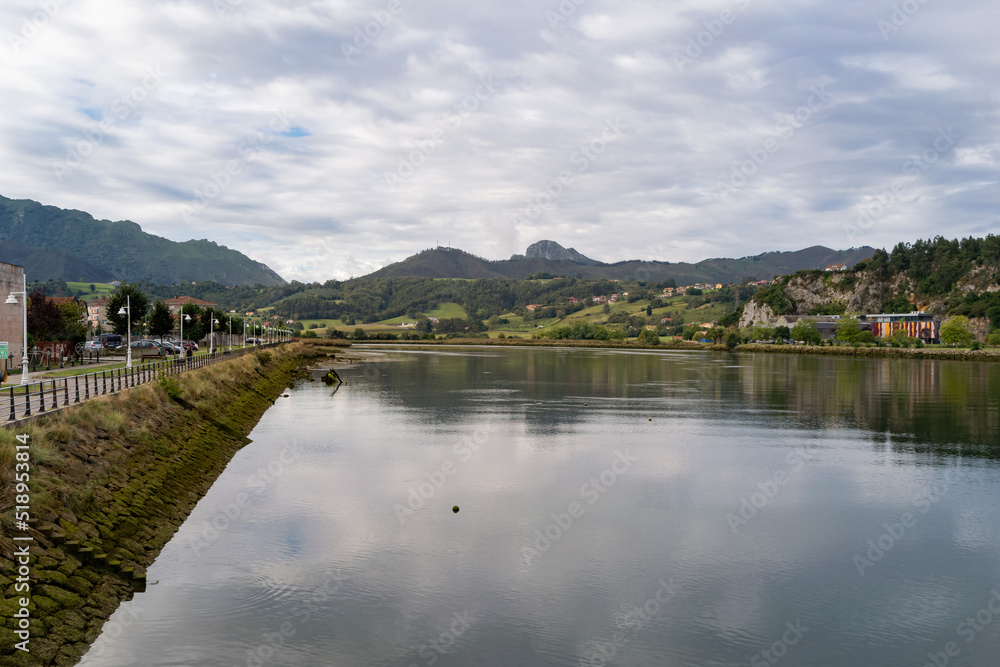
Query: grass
x=323, y=324
x=100, y=289
x=448, y=310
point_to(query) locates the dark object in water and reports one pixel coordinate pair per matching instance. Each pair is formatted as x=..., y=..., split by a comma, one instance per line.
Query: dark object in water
x=331, y=377
x=455, y=509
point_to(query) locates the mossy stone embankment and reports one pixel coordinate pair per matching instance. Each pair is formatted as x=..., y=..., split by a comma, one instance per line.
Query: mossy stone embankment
x=112, y=481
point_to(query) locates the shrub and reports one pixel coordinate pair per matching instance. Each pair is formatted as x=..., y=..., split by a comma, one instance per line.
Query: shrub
x=993, y=339
x=170, y=386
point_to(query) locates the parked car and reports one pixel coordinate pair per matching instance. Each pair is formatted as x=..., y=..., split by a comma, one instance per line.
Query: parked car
x=170, y=347
x=147, y=347
x=92, y=346
x=189, y=345
x=111, y=340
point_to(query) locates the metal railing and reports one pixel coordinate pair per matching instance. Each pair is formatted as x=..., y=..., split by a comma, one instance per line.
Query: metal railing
x=47, y=395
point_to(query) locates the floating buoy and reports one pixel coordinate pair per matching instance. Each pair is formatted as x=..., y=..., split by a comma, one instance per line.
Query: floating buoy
x=650, y=419
x=584, y=405
x=455, y=509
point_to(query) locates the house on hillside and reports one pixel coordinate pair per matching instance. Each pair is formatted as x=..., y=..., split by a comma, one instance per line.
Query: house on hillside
x=533, y=307
x=573, y=299
x=837, y=267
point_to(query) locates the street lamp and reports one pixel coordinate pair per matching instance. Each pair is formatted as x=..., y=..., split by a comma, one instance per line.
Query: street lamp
x=181, y=317
x=230, y=333
x=126, y=310
x=12, y=298
x=211, y=335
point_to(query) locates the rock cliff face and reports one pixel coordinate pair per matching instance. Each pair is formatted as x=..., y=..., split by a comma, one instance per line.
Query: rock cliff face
x=861, y=292
x=551, y=250
x=755, y=312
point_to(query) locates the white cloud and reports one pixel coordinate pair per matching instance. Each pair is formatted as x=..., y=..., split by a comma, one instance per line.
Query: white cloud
x=228, y=74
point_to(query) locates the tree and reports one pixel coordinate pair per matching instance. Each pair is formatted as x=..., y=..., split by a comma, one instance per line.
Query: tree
x=649, y=337
x=649, y=310
x=806, y=331
x=161, y=320
x=956, y=331
x=193, y=330
x=44, y=319
x=93, y=288
x=849, y=330
x=762, y=332
x=359, y=334
x=48, y=321
x=716, y=334
x=73, y=314
x=127, y=293
x=782, y=333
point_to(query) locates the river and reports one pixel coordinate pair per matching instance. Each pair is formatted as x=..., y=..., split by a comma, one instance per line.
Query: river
x=615, y=507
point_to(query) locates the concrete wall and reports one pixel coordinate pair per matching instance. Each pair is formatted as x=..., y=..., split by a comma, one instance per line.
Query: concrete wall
x=11, y=322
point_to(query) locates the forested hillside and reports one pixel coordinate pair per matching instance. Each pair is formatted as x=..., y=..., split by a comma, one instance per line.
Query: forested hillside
x=940, y=276
x=53, y=243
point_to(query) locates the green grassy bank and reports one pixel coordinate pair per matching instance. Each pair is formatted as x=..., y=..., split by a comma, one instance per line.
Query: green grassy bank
x=112, y=480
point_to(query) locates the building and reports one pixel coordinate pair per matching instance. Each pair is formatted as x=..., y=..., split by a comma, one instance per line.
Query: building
x=790, y=320
x=837, y=267
x=175, y=304
x=97, y=312
x=12, y=316
x=917, y=324
x=533, y=306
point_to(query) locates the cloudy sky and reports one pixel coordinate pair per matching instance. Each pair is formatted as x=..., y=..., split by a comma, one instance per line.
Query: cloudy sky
x=327, y=138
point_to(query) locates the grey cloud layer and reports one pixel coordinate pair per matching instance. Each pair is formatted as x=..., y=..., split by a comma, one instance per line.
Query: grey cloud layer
x=327, y=138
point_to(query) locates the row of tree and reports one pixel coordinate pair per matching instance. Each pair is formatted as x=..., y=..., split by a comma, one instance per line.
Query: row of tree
x=49, y=320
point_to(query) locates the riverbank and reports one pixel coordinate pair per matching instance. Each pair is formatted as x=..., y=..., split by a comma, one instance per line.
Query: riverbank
x=112, y=480
x=992, y=355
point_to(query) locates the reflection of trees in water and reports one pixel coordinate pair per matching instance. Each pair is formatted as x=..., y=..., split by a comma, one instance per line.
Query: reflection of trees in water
x=941, y=407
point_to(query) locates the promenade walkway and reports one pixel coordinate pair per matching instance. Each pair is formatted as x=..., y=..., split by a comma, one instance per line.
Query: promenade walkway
x=51, y=393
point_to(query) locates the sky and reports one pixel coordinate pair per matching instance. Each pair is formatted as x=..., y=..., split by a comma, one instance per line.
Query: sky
x=328, y=138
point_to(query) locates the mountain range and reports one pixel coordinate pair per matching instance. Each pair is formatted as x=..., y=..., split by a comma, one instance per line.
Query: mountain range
x=53, y=243
x=548, y=257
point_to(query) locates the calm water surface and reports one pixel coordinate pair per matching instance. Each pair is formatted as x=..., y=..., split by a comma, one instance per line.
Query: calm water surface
x=617, y=508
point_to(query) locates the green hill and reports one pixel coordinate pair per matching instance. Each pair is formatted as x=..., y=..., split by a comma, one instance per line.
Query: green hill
x=53, y=243
x=455, y=263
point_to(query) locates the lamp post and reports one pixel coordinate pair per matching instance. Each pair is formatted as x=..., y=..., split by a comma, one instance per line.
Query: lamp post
x=211, y=334
x=181, y=317
x=12, y=298
x=230, y=333
x=244, y=333
x=126, y=310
